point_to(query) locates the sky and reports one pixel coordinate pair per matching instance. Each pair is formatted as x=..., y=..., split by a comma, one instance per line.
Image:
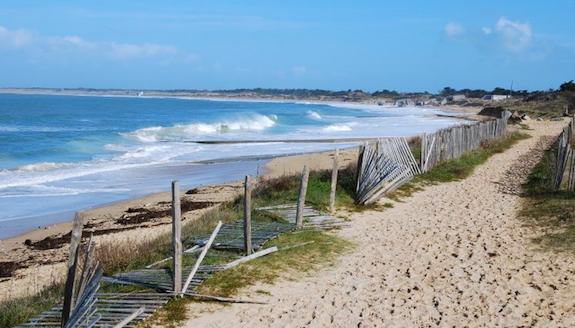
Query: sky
x=338, y=45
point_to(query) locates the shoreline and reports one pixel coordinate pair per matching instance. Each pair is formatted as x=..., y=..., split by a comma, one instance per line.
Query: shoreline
x=43, y=231
x=23, y=249
x=270, y=171
x=37, y=220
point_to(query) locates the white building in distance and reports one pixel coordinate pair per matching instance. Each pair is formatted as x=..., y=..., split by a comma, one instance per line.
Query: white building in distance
x=495, y=97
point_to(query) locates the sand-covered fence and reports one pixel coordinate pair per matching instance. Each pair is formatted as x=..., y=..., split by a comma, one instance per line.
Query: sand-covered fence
x=388, y=163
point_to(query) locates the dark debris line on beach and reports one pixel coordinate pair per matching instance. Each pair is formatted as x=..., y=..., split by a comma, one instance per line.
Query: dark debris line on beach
x=112, y=308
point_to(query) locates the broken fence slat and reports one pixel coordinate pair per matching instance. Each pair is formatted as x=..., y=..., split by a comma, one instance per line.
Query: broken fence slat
x=223, y=299
x=201, y=257
x=129, y=318
x=250, y=257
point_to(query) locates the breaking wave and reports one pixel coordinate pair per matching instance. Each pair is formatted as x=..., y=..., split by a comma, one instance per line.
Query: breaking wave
x=182, y=132
x=313, y=115
x=337, y=128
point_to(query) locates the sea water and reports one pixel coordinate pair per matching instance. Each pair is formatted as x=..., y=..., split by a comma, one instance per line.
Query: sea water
x=60, y=154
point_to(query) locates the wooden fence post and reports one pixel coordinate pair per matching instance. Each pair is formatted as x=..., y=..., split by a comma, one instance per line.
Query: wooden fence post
x=176, y=238
x=333, y=189
x=301, y=197
x=248, y=215
x=76, y=238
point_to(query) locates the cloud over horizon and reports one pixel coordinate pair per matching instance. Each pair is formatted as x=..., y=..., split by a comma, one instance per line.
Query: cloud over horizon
x=22, y=39
x=513, y=37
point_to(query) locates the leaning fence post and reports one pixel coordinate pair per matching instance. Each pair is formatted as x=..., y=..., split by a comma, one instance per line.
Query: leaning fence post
x=248, y=216
x=301, y=197
x=333, y=181
x=176, y=237
x=76, y=238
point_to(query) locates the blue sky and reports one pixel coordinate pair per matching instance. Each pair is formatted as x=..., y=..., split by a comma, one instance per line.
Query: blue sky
x=370, y=45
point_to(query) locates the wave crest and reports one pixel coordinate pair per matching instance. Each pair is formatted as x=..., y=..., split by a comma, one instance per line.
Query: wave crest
x=180, y=132
x=337, y=128
x=313, y=115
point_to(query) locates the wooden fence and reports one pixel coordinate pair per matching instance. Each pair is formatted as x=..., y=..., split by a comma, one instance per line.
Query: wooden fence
x=565, y=160
x=451, y=143
x=387, y=164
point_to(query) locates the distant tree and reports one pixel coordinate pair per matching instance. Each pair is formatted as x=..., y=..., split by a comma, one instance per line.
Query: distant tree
x=385, y=93
x=567, y=87
x=500, y=91
x=448, y=91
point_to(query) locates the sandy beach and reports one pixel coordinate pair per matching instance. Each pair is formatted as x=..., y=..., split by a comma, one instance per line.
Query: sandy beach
x=452, y=255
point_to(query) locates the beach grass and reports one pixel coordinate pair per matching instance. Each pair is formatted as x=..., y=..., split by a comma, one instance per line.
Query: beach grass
x=551, y=212
x=314, y=249
x=18, y=310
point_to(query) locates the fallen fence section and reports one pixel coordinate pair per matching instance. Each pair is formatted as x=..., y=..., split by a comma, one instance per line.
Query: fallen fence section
x=112, y=309
x=565, y=160
x=383, y=167
x=312, y=218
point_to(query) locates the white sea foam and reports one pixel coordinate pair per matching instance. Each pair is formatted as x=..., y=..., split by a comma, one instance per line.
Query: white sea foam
x=40, y=190
x=41, y=167
x=339, y=127
x=22, y=128
x=181, y=132
x=313, y=115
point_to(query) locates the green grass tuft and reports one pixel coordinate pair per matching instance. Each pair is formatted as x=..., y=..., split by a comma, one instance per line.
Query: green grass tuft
x=19, y=310
x=323, y=250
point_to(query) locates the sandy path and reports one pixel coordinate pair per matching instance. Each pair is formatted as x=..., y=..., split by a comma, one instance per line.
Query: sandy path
x=453, y=255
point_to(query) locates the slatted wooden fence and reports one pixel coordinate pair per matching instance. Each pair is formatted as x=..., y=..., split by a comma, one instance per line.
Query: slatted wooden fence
x=387, y=164
x=565, y=160
x=451, y=143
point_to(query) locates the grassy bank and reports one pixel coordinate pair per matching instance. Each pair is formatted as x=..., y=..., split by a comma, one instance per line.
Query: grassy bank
x=460, y=168
x=114, y=257
x=16, y=311
x=553, y=212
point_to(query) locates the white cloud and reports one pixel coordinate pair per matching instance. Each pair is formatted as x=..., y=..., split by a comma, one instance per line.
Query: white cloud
x=453, y=30
x=19, y=39
x=14, y=38
x=299, y=70
x=505, y=35
x=515, y=36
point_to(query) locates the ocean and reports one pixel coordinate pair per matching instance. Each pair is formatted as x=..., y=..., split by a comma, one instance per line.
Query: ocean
x=61, y=154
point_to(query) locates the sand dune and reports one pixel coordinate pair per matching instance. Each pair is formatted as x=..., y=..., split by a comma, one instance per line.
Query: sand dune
x=453, y=255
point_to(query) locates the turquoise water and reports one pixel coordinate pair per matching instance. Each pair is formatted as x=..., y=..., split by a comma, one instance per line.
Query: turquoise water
x=59, y=154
